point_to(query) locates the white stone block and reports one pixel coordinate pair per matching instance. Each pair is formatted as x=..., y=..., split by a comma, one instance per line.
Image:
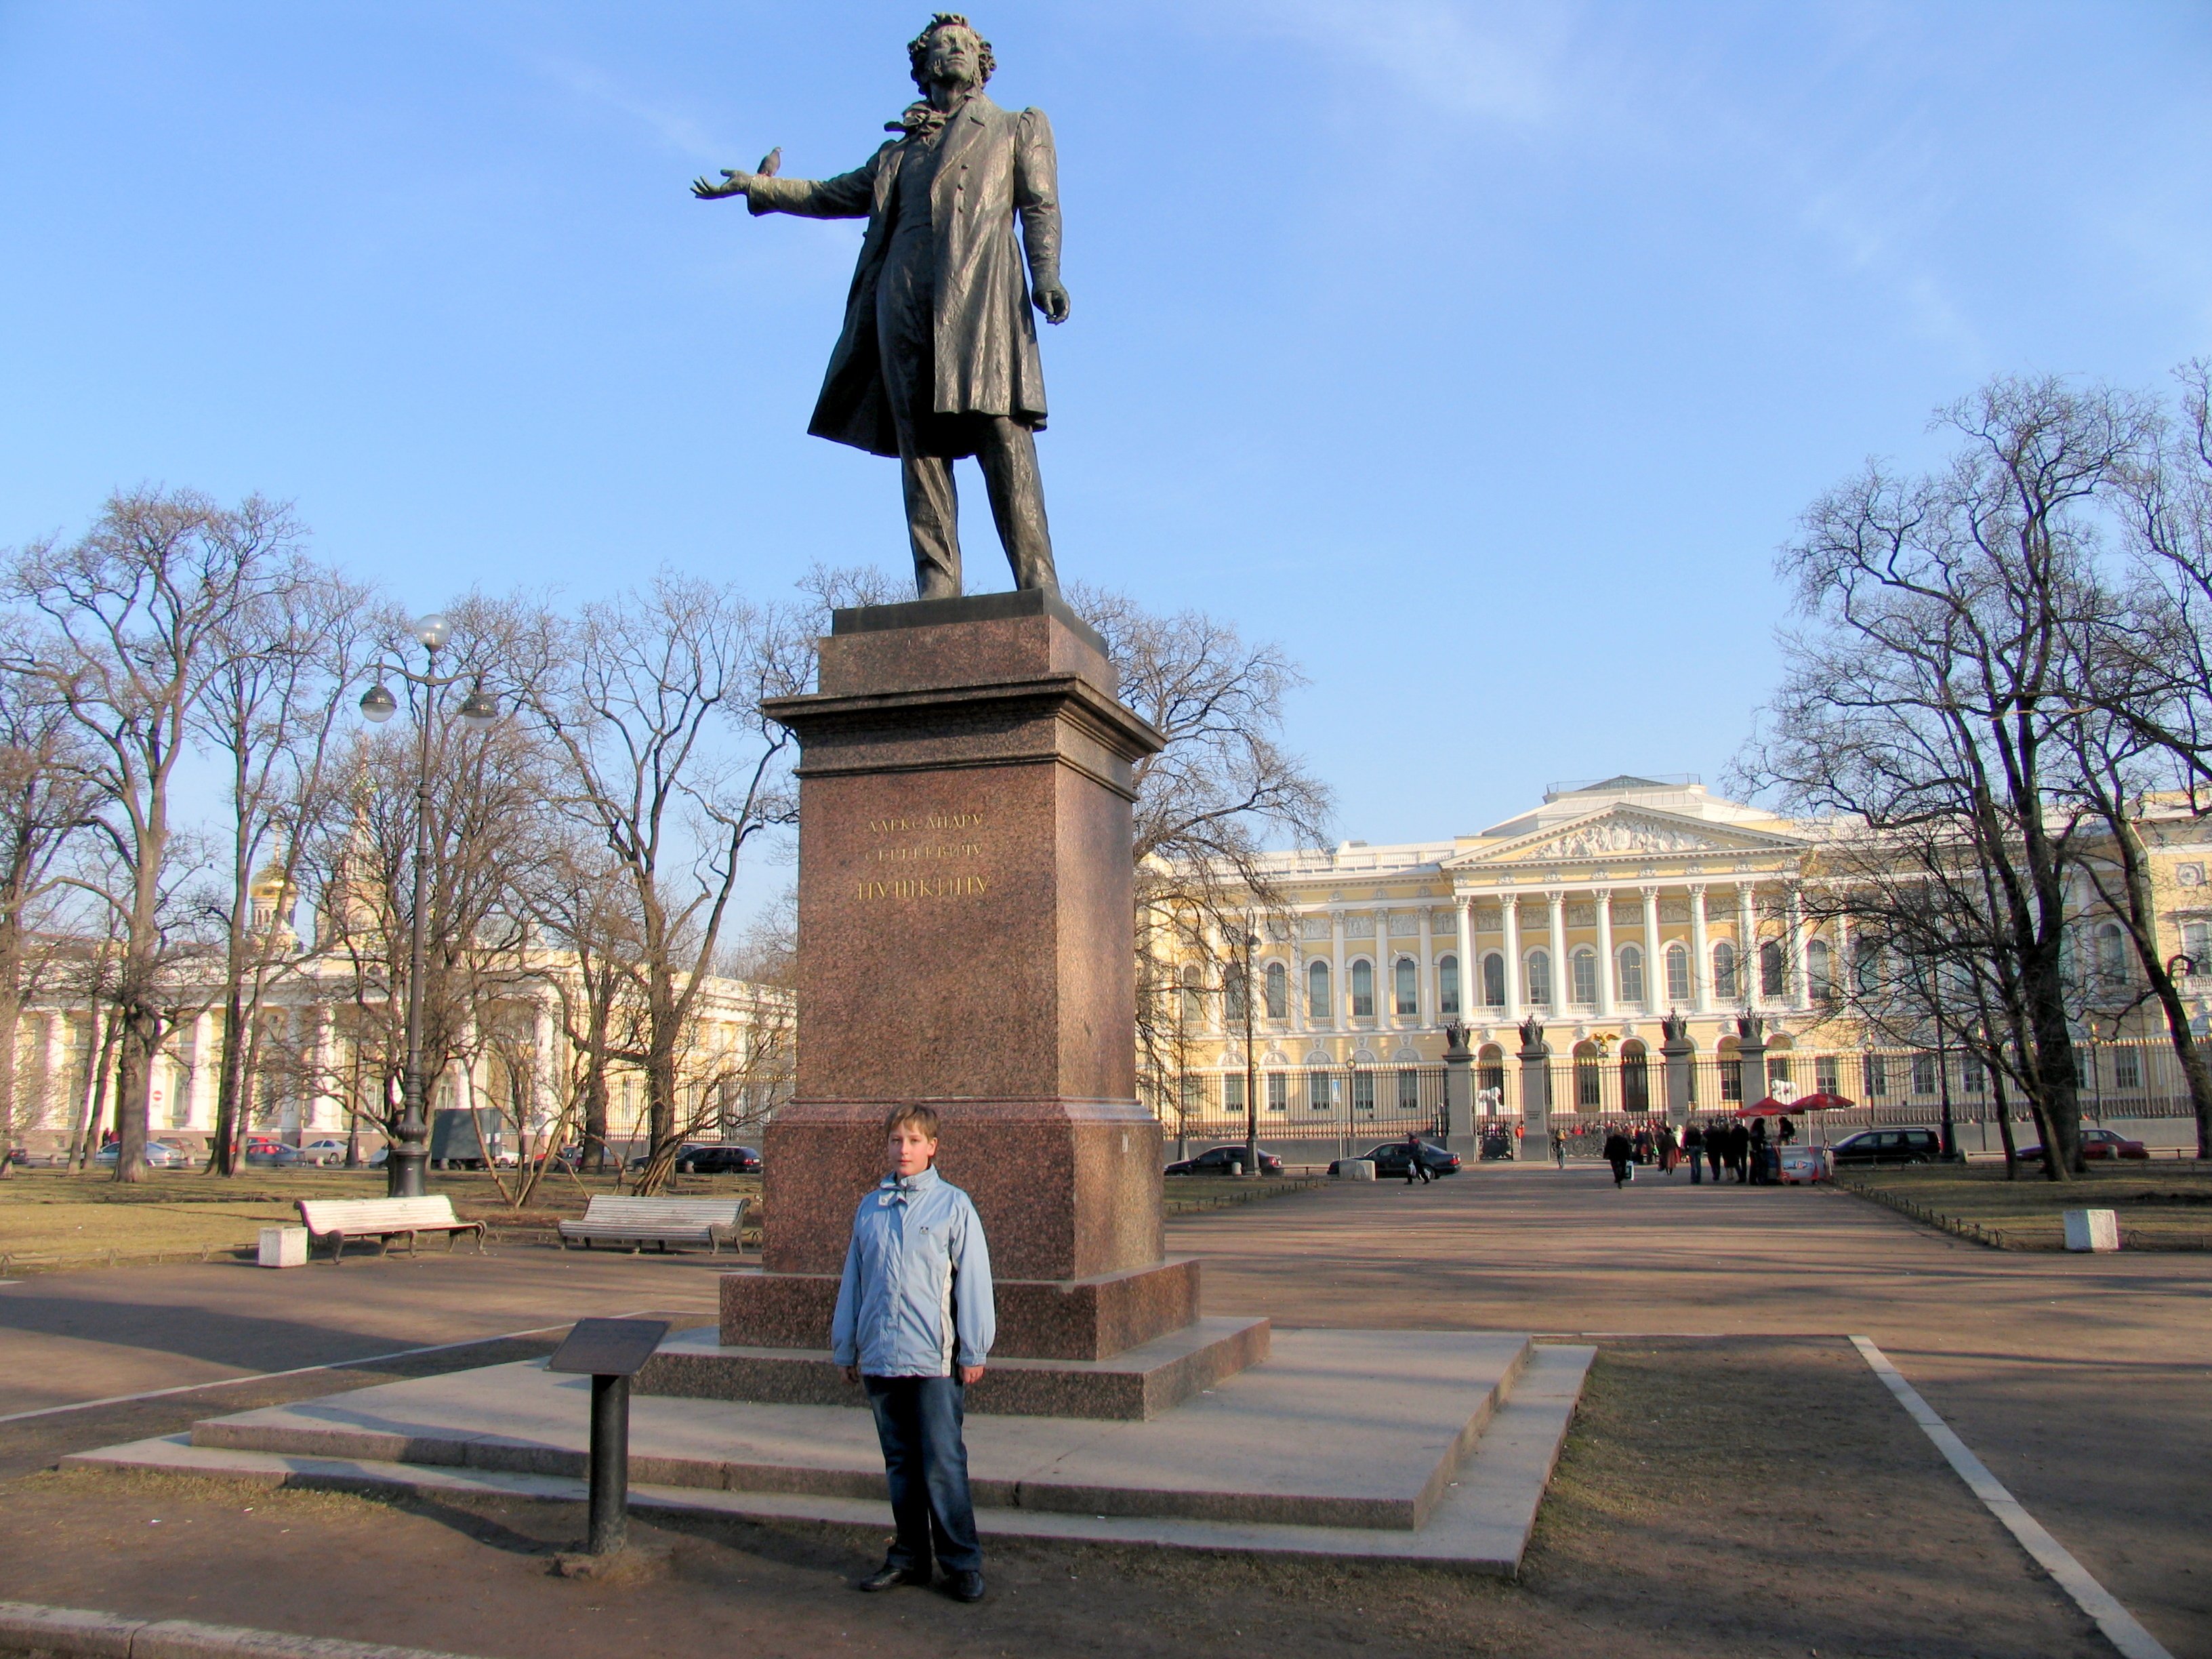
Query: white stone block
x=2092, y=1230
x=284, y=1247
x=1355, y=1168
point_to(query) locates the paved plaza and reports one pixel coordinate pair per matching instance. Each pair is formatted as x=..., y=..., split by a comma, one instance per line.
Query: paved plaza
x=2081, y=1381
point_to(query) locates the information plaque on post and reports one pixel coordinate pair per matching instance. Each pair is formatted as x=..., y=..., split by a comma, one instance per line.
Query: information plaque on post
x=610, y=1352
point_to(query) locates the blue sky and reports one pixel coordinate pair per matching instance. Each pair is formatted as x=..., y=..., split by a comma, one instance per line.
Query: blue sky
x=1481, y=354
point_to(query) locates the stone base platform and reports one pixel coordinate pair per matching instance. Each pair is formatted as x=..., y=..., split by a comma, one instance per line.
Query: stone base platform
x=1426, y=1446
x=1135, y=1385
x=1038, y=1319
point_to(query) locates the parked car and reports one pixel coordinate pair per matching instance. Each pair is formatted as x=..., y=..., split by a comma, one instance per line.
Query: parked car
x=717, y=1160
x=2097, y=1144
x=1888, y=1146
x=160, y=1155
x=1216, y=1160
x=1392, y=1160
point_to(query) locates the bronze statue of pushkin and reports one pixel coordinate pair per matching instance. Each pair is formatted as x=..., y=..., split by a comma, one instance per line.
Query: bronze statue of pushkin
x=938, y=355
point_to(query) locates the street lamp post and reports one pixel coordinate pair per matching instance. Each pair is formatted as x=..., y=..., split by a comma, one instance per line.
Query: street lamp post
x=407, y=1160
x=1251, y=1063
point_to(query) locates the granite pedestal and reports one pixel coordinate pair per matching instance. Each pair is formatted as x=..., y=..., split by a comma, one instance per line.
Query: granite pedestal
x=965, y=926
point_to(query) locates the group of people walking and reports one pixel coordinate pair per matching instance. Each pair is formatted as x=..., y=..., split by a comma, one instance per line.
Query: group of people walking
x=1746, y=1152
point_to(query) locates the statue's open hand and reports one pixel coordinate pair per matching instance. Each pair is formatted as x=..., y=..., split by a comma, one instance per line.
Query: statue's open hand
x=733, y=184
x=1051, y=300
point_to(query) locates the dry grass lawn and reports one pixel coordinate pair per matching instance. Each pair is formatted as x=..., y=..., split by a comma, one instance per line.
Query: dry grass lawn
x=2161, y=1206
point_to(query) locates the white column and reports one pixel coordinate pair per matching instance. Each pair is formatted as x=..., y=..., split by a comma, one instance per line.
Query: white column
x=1558, y=951
x=1511, y=916
x=1746, y=947
x=1339, y=993
x=1470, y=983
x=1655, y=971
x=1800, y=987
x=1604, y=896
x=1297, y=970
x=1839, y=958
x=1424, y=973
x=543, y=1094
x=53, y=1088
x=1701, y=967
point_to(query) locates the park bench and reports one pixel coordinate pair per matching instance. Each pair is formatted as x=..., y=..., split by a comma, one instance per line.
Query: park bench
x=638, y=1222
x=337, y=1219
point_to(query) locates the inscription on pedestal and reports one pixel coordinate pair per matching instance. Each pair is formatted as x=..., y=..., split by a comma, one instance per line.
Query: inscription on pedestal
x=903, y=852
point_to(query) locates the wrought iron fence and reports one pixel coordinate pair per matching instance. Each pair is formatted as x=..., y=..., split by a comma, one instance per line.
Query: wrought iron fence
x=1893, y=1086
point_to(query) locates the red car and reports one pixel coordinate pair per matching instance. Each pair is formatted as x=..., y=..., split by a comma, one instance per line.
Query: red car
x=2097, y=1144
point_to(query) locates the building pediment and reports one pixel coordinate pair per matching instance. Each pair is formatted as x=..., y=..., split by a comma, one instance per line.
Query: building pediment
x=1619, y=831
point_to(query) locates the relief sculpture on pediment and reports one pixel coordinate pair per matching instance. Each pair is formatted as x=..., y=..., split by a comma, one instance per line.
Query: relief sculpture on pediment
x=1591, y=841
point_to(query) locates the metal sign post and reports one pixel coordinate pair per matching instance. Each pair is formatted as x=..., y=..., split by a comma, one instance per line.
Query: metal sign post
x=610, y=1352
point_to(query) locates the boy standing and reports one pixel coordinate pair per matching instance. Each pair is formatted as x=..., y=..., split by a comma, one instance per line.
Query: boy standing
x=913, y=1327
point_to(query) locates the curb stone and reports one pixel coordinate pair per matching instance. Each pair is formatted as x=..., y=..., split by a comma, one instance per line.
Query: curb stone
x=82, y=1634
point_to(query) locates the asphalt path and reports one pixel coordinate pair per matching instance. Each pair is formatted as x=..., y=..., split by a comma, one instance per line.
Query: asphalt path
x=2084, y=1383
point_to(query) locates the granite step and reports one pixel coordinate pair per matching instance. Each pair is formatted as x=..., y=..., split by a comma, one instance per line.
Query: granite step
x=1338, y=1428
x=1480, y=1522
x=1138, y=1382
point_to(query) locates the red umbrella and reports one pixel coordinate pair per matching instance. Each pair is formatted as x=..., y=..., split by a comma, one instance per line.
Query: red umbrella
x=1823, y=1102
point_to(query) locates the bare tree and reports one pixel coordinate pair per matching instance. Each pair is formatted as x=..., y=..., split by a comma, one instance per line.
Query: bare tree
x=1207, y=806
x=138, y=612
x=271, y=711
x=45, y=801
x=654, y=701
x=1928, y=694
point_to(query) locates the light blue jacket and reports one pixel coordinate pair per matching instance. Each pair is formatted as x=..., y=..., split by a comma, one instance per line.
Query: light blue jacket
x=917, y=1291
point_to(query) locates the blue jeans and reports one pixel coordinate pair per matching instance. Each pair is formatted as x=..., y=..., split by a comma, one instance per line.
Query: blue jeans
x=926, y=1463
x=1696, y=1166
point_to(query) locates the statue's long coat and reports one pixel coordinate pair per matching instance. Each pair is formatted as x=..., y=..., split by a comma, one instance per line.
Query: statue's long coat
x=992, y=164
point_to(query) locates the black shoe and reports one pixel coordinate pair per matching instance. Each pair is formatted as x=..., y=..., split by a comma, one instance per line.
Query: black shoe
x=965, y=1586
x=888, y=1576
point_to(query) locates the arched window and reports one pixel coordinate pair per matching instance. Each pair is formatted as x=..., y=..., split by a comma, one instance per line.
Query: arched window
x=1406, y=986
x=1539, y=966
x=1194, y=1002
x=1678, y=974
x=1866, y=966
x=1724, y=971
x=1589, y=1077
x=1447, y=985
x=1278, y=992
x=2111, y=961
x=1584, y=985
x=1773, y=969
x=1632, y=973
x=1317, y=999
x=1493, y=980
x=2196, y=946
x=1820, y=974
x=1362, y=989
x=1635, y=1078
x=1233, y=1009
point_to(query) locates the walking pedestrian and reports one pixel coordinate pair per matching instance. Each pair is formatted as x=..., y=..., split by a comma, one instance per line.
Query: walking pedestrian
x=1618, y=1153
x=1417, y=1163
x=1670, y=1150
x=1693, y=1149
x=914, y=1327
x=1758, y=1151
x=1559, y=1148
x=1716, y=1149
x=1738, y=1148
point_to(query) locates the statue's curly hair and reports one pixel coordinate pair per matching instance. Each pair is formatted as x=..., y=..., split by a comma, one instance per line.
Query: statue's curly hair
x=917, y=50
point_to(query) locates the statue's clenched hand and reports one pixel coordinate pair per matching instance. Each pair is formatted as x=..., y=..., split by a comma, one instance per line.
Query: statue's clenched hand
x=1051, y=300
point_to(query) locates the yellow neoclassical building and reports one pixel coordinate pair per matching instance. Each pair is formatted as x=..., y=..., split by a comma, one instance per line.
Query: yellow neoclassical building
x=1598, y=912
